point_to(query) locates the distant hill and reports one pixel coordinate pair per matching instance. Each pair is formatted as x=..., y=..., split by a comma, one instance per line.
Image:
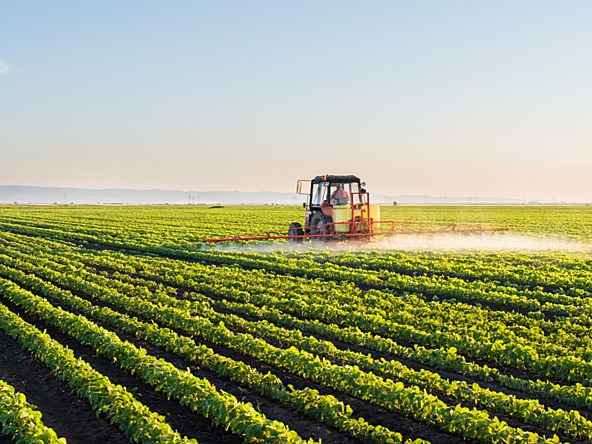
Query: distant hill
x=50, y=195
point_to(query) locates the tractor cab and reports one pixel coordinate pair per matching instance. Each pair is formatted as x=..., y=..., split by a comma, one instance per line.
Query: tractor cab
x=335, y=190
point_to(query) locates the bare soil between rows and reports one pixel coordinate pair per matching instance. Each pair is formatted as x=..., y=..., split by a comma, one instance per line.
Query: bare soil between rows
x=70, y=416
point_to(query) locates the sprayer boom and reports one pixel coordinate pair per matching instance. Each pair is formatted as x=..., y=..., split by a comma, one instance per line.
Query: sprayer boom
x=338, y=208
x=394, y=228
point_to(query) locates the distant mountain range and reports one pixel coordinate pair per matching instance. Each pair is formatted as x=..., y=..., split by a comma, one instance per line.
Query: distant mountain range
x=50, y=195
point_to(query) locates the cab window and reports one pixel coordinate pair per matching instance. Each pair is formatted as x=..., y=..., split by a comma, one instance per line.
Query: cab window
x=320, y=193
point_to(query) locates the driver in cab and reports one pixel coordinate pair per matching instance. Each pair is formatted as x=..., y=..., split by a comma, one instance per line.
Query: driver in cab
x=339, y=196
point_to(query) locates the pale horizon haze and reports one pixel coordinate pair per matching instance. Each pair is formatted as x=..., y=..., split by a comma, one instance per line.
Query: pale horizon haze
x=457, y=98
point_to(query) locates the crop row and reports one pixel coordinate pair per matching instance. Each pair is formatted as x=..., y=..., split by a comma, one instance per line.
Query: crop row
x=407, y=309
x=448, y=359
x=520, y=408
x=115, y=402
x=382, y=314
x=188, y=224
x=290, y=303
x=543, y=271
x=185, y=226
x=438, y=286
x=422, y=314
x=308, y=401
x=21, y=420
x=196, y=393
x=476, y=291
x=574, y=331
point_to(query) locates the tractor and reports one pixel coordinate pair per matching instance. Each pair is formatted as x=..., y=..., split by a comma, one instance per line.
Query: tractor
x=336, y=206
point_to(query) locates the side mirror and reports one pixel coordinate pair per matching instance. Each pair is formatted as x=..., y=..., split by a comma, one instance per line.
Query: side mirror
x=299, y=186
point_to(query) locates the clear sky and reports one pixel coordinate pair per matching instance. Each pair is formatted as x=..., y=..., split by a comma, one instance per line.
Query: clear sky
x=463, y=98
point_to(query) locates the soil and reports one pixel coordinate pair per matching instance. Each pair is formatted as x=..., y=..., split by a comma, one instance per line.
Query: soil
x=70, y=416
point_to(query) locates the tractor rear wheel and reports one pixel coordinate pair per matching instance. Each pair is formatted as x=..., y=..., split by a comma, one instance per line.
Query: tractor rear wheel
x=320, y=224
x=295, y=229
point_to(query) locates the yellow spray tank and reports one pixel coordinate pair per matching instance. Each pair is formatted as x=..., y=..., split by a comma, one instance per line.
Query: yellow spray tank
x=342, y=218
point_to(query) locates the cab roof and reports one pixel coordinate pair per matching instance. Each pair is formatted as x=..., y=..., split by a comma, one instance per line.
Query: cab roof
x=336, y=178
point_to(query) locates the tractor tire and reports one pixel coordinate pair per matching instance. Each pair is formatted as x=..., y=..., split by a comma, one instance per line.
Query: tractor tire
x=318, y=223
x=295, y=229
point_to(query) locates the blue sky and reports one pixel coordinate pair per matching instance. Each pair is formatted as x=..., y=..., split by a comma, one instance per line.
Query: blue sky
x=459, y=98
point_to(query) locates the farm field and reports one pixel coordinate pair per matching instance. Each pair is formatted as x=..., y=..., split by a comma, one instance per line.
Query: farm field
x=119, y=325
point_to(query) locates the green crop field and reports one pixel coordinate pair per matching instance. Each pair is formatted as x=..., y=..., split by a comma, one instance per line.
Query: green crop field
x=118, y=324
